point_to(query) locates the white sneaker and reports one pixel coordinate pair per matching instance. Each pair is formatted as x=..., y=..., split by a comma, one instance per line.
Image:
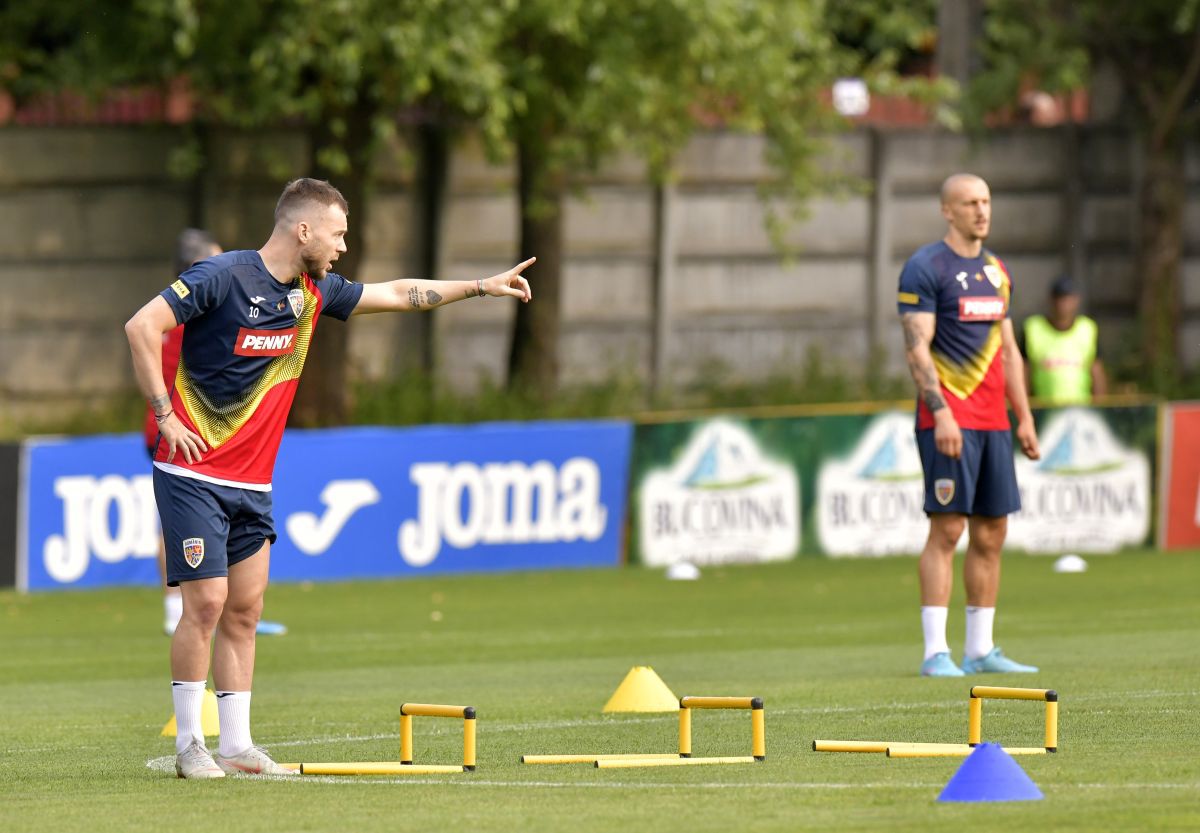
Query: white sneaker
x=195, y=762
x=254, y=761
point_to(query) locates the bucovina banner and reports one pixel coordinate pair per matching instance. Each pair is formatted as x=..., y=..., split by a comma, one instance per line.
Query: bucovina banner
x=350, y=503
x=728, y=490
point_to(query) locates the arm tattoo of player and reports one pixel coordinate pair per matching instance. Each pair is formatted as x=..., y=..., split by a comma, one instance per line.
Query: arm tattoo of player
x=434, y=298
x=161, y=404
x=912, y=335
x=471, y=293
x=415, y=298
x=924, y=373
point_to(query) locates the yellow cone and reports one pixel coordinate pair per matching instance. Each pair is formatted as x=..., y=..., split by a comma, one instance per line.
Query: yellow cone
x=209, y=723
x=642, y=691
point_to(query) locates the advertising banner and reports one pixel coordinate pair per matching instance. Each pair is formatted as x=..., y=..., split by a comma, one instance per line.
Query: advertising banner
x=1092, y=490
x=1180, y=490
x=351, y=503
x=724, y=499
x=730, y=489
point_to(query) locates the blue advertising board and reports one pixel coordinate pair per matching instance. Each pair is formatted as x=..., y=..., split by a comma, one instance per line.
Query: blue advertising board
x=350, y=503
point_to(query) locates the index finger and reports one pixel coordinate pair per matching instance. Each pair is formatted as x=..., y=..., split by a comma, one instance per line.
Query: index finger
x=521, y=267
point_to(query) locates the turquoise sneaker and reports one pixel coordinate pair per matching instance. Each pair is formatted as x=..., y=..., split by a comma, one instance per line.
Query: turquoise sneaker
x=940, y=665
x=994, y=662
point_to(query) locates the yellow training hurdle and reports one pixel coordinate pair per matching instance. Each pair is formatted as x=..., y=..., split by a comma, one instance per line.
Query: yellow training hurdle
x=979, y=693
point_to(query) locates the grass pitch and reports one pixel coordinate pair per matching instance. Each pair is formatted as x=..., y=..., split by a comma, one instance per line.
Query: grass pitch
x=832, y=646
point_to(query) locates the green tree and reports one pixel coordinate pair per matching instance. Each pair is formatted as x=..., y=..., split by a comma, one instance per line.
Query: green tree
x=562, y=84
x=1154, y=45
x=345, y=70
x=590, y=78
x=48, y=46
x=342, y=71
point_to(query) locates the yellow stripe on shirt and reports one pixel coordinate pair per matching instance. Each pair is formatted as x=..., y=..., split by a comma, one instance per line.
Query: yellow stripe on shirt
x=962, y=379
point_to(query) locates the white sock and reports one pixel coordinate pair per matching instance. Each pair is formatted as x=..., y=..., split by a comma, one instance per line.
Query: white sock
x=189, y=703
x=233, y=709
x=933, y=623
x=172, y=610
x=979, y=632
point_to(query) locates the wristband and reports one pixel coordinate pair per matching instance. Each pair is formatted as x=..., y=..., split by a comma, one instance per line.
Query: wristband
x=479, y=285
x=161, y=418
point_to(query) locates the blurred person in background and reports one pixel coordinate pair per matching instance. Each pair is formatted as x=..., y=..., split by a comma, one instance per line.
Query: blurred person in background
x=251, y=317
x=1062, y=351
x=192, y=246
x=962, y=352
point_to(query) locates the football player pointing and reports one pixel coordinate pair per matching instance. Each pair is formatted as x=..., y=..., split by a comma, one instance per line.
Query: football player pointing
x=959, y=342
x=251, y=317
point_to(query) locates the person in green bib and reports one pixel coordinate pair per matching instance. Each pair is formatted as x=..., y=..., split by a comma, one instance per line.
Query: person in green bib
x=1062, y=353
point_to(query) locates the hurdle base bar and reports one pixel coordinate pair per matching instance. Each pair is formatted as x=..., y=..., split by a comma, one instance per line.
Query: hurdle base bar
x=851, y=745
x=950, y=750
x=630, y=763
x=591, y=759
x=373, y=768
x=905, y=749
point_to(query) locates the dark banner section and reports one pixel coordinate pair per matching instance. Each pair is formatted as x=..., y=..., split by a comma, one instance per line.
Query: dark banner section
x=10, y=463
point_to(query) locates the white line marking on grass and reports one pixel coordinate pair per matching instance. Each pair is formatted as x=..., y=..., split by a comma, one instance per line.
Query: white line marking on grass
x=167, y=764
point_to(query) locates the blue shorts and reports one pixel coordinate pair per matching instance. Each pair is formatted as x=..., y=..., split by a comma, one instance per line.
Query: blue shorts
x=208, y=528
x=983, y=481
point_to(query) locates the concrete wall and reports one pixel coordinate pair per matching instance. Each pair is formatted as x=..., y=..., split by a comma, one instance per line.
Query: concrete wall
x=88, y=218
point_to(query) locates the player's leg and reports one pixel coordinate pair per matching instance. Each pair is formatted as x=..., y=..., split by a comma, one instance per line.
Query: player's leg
x=936, y=565
x=195, y=526
x=981, y=567
x=233, y=652
x=996, y=497
x=936, y=570
x=944, y=503
x=981, y=577
x=233, y=649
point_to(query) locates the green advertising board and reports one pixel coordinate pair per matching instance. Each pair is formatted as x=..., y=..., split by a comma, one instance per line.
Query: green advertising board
x=740, y=488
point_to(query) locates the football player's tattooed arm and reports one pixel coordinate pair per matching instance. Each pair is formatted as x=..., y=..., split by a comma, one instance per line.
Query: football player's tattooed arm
x=145, y=331
x=406, y=295
x=918, y=335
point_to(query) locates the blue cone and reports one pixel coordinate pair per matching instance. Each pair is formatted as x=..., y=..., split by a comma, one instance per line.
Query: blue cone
x=990, y=774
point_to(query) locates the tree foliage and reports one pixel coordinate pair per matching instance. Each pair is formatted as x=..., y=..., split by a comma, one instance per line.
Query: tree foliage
x=591, y=78
x=1154, y=47
x=561, y=85
x=345, y=71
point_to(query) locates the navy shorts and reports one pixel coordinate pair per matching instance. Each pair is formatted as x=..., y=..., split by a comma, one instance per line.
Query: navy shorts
x=208, y=528
x=983, y=481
